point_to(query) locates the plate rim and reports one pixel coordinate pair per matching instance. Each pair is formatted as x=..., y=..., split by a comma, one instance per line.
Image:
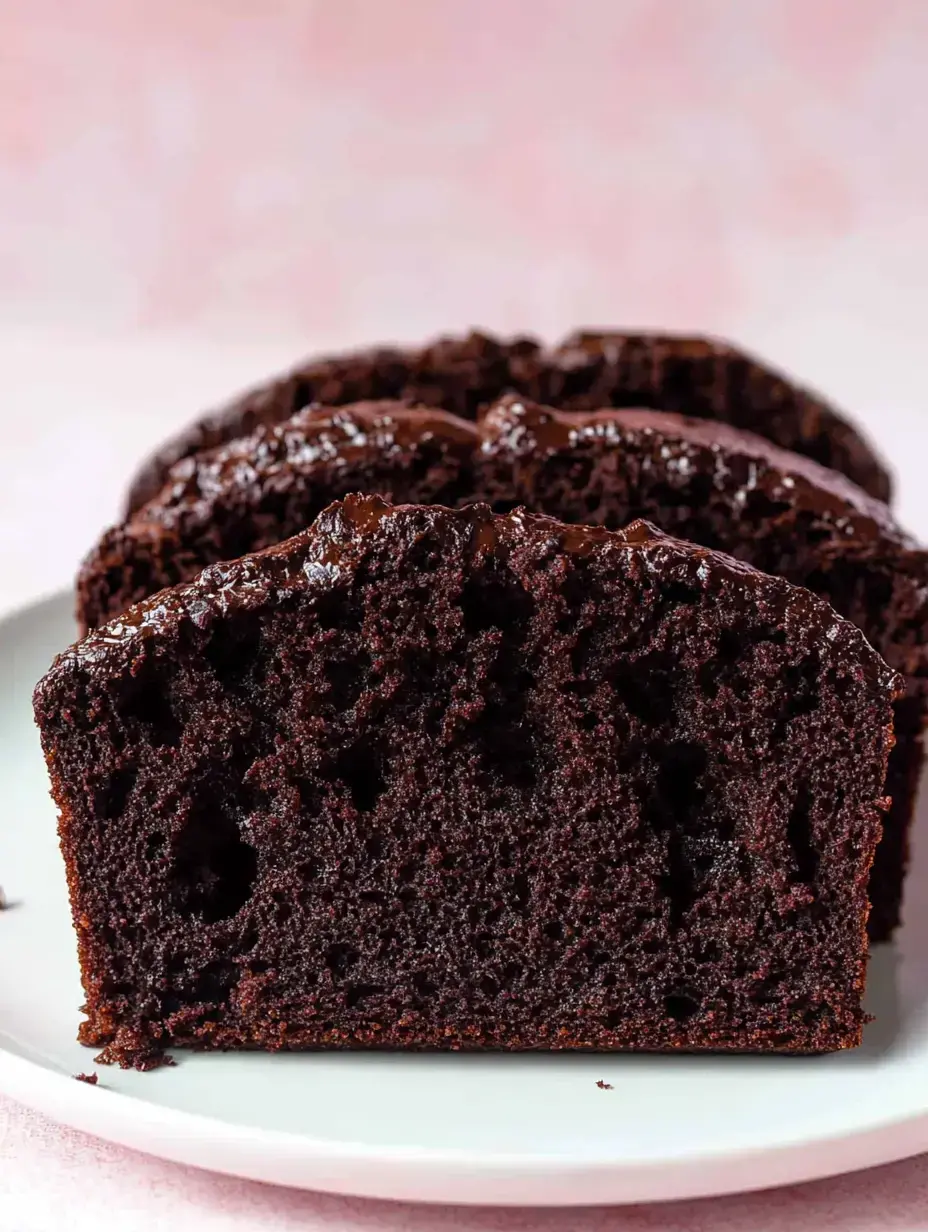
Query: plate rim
x=394, y=1172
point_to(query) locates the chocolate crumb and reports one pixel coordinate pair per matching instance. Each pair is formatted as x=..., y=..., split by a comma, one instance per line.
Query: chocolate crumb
x=604, y=1086
x=90, y=1079
x=133, y=1057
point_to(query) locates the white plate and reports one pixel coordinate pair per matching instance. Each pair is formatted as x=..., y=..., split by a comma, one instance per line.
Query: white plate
x=495, y=1129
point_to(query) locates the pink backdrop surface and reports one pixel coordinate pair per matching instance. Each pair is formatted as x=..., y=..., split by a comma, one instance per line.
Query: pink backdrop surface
x=194, y=193
x=357, y=168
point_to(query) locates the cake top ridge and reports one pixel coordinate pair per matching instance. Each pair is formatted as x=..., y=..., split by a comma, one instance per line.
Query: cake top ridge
x=337, y=542
x=384, y=428
x=700, y=376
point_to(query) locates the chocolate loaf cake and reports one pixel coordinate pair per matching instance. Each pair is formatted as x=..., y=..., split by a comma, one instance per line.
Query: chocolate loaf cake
x=697, y=377
x=707, y=482
x=423, y=778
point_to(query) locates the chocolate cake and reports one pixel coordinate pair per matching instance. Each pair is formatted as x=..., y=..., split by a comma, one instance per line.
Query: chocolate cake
x=424, y=778
x=700, y=377
x=707, y=482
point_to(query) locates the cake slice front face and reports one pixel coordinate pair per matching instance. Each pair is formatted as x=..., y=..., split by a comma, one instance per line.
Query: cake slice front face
x=424, y=778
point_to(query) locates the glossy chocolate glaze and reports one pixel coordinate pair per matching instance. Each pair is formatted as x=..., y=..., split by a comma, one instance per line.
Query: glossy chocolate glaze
x=515, y=428
x=699, y=377
x=336, y=543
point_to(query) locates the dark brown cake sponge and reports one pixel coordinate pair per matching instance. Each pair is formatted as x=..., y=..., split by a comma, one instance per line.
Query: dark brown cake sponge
x=703, y=480
x=783, y=513
x=699, y=377
x=432, y=778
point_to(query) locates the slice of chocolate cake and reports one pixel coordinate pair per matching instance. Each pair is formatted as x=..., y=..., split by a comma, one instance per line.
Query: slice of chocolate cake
x=693, y=376
x=707, y=482
x=737, y=493
x=423, y=778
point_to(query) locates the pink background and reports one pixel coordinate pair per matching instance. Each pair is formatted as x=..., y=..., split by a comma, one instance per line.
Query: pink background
x=192, y=193
x=356, y=168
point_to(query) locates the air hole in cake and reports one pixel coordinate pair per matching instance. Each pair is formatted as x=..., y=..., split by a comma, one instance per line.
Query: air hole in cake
x=802, y=700
x=111, y=799
x=484, y=945
x=679, y=594
x=708, y=951
x=340, y=957
x=578, y=473
x=335, y=610
x=356, y=993
x=677, y=792
x=376, y=898
x=599, y=875
x=720, y=669
x=424, y=557
x=728, y=647
x=677, y=795
x=146, y=702
x=680, y=1006
x=214, y=983
x=374, y=847
x=554, y=929
x=214, y=869
x=799, y=836
x=423, y=985
x=346, y=680
x=154, y=845
x=695, y=493
x=506, y=739
x=521, y=893
x=679, y=882
x=646, y=686
x=360, y=769
x=283, y=908
x=760, y=508
x=492, y=601
x=233, y=648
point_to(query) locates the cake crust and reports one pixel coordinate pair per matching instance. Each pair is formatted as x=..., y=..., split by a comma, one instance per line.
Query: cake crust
x=699, y=377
